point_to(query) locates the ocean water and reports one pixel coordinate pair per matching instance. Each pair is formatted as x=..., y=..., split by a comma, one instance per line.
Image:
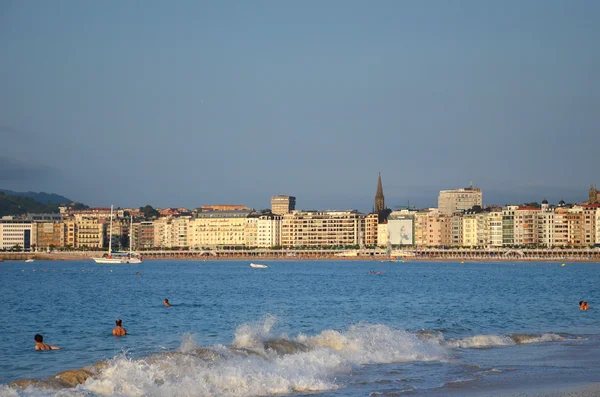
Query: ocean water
x=325, y=328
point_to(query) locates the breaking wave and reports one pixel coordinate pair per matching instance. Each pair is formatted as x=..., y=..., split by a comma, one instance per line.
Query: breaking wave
x=258, y=363
x=489, y=341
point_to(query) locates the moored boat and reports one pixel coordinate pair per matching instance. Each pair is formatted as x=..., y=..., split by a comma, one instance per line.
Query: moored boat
x=258, y=265
x=115, y=258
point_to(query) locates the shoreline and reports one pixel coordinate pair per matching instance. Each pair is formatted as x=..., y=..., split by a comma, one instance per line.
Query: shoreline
x=57, y=256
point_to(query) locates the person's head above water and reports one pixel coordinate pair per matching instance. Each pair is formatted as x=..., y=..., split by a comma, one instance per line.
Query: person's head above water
x=580, y=303
x=38, y=338
x=119, y=322
x=166, y=301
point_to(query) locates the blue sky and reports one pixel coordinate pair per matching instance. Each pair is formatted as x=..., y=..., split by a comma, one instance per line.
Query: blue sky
x=189, y=103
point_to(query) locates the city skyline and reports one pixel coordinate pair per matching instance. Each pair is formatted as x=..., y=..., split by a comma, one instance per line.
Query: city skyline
x=199, y=103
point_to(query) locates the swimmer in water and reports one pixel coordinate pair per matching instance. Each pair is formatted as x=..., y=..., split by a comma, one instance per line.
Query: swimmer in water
x=583, y=305
x=119, y=330
x=166, y=302
x=40, y=345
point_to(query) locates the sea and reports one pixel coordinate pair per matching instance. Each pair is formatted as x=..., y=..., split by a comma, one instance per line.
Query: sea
x=300, y=328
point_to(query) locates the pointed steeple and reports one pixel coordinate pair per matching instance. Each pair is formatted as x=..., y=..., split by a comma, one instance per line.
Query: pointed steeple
x=379, y=199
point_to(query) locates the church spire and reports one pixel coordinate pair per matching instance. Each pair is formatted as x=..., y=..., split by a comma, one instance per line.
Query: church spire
x=379, y=199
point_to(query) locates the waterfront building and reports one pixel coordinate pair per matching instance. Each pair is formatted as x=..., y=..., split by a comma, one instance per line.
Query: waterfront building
x=251, y=231
x=70, y=234
x=281, y=205
x=16, y=233
x=179, y=231
x=432, y=228
x=268, y=231
x=483, y=230
x=588, y=214
x=469, y=229
x=526, y=226
x=321, y=228
x=90, y=233
x=371, y=235
x=49, y=235
x=439, y=233
x=421, y=223
x=450, y=201
x=508, y=225
x=143, y=235
x=597, y=241
x=494, y=221
x=382, y=234
x=456, y=229
x=219, y=229
x=561, y=227
x=400, y=228
x=546, y=225
x=162, y=233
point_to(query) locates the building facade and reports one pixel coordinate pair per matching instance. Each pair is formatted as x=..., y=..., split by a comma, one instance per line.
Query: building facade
x=16, y=234
x=450, y=201
x=281, y=205
x=321, y=229
x=219, y=229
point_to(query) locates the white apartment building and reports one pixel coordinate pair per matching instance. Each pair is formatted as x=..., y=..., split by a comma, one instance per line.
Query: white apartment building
x=469, y=227
x=494, y=221
x=163, y=230
x=220, y=229
x=321, y=228
x=179, y=231
x=546, y=225
x=450, y=201
x=16, y=233
x=269, y=231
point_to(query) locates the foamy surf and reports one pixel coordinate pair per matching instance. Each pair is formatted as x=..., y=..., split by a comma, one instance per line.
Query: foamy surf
x=260, y=363
x=489, y=340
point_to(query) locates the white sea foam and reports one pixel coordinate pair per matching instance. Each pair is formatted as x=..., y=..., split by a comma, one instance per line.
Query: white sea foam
x=259, y=363
x=489, y=341
x=369, y=343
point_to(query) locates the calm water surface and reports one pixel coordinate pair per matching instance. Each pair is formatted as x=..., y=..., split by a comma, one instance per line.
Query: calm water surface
x=297, y=327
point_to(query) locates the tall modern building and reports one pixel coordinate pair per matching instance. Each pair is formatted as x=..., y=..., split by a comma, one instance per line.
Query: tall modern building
x=281, y=205
x=450, y=201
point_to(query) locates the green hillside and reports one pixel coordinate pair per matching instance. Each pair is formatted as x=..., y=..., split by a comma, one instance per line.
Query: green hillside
x=41, y=197
x=17, y=205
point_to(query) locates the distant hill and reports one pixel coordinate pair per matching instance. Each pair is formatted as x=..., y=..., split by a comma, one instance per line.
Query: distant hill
x=17, y=205
x=41, y=197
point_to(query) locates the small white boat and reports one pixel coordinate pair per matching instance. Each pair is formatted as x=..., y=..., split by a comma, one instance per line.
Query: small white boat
x=30, y=260
x=258, y=266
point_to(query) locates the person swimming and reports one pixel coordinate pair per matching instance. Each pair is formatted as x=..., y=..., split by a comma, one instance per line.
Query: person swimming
x=119, y=330
x=583, y=305
x=166, y=302
x=40, y=345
